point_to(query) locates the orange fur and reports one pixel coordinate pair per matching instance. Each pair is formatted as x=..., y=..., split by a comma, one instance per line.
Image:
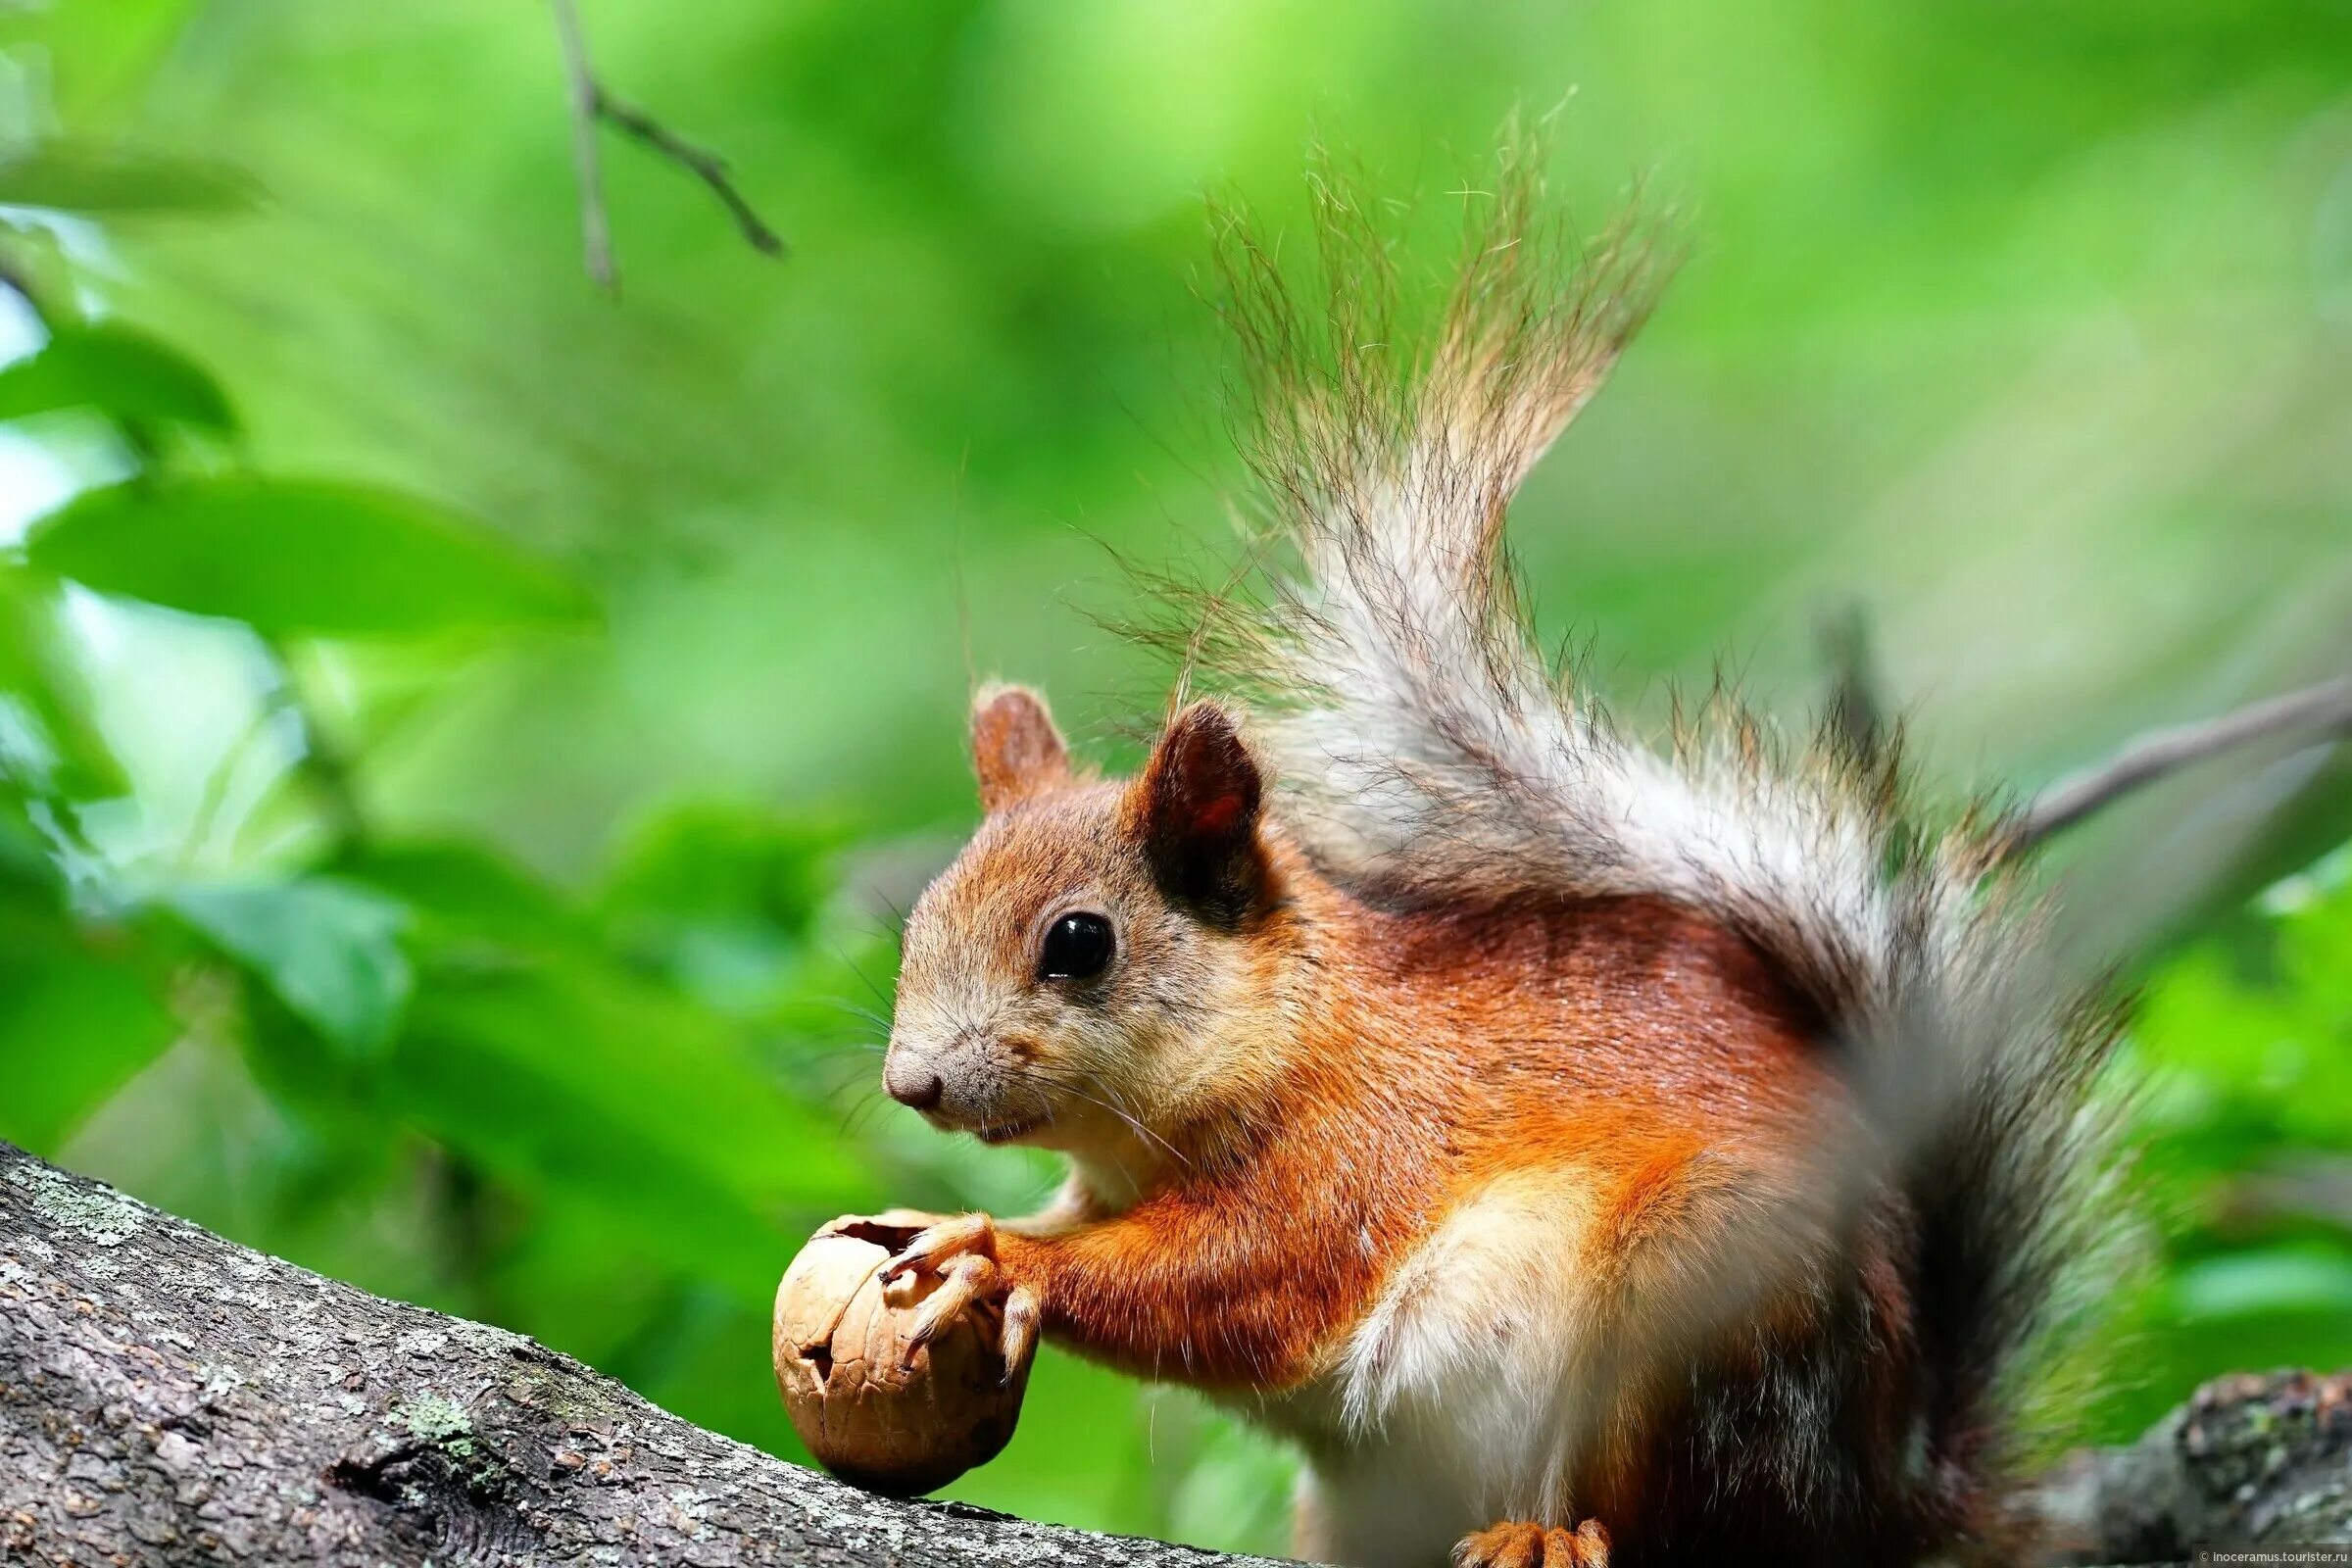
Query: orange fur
x=1431, y=1053
x=1617, y=1037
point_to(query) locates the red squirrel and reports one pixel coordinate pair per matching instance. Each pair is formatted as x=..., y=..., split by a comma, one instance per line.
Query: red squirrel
x=1583, y=1153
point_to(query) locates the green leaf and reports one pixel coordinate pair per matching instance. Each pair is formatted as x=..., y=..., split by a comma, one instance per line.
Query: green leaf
x=2269, y=1280
x=549, y=1134
x=75, y=1025
x=574, y=1077
x=466, y=899
x=329, y=950
x=70, y=176
x=36, y=671
x=2242, y=1067
x=722, y=898
x=117, y=371
x=296, y=558
x=26, y=867
x=725, y=862
x=111, y=50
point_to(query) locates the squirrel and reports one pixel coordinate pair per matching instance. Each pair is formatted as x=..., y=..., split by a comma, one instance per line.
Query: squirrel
x=1585, y=1153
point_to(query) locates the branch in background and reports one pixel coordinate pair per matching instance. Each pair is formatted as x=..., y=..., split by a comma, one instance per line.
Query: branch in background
x=2315, y=713
x=580, y=79
x=1854, y=720
x=591, y=106
x=2308, y=1187
x=700, y=161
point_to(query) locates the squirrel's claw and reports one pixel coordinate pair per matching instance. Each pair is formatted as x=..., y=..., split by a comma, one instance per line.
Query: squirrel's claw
x=962, y=1251
x=966, y=1280
x=1023, y=1312
x=975, y=1234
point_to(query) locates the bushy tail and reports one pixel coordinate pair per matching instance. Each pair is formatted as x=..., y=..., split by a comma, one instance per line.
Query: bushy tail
x=1430, y=751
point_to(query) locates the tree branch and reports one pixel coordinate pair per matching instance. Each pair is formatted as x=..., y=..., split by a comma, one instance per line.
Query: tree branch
x=2248, y=1461
x=579, y=77
x=700, y=162
x=591, y=106
x=2318, y=711
x=170, y=1397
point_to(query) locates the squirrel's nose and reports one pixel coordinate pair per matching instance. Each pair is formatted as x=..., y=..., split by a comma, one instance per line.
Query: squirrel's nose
x=912, y=1085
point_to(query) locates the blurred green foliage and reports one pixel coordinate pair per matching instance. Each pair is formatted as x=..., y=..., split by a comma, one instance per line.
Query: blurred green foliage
x=463, y=740
x=2243, y=1150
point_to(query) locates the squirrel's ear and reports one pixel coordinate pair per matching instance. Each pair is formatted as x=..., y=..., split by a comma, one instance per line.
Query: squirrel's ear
x=1196, y=804
x=1015, y=749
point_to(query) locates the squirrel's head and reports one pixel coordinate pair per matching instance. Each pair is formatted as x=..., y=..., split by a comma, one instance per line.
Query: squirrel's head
x=1091, y=973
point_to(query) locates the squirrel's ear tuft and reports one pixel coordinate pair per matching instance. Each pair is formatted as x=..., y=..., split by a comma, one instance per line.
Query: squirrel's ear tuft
x=1015, y=749
x=1196, y=806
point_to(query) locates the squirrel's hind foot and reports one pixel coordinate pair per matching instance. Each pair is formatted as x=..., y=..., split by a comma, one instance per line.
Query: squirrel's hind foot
x=1530, y=1545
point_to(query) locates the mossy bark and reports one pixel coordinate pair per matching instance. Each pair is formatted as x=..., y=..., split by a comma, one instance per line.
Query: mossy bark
x=2249, y=1461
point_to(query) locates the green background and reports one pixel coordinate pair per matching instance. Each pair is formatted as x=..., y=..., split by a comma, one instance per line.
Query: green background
x=463, y=737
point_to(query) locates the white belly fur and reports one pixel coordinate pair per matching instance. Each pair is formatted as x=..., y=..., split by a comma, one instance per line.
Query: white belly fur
x=1457, y=1402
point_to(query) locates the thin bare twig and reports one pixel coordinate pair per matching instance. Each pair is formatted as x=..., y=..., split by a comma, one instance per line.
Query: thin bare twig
x=2317, y=712
x=700, y=162
x=596, y=233
x=592, y=107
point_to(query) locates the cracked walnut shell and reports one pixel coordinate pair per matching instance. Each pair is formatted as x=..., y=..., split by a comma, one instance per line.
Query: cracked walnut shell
x=871, y=1414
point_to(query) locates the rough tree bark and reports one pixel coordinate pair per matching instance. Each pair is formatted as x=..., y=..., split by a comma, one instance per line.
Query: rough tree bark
x=170, y=1397
x=2248, y=1461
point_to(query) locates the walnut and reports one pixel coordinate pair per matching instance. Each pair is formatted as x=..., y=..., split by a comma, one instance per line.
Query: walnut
x=869, y=1413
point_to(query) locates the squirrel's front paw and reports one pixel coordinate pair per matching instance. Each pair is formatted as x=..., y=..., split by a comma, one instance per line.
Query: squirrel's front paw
x=1525, y=1545
x=962, y=1252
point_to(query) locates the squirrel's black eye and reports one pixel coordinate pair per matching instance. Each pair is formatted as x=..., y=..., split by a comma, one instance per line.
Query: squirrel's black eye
x=1077, y=948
